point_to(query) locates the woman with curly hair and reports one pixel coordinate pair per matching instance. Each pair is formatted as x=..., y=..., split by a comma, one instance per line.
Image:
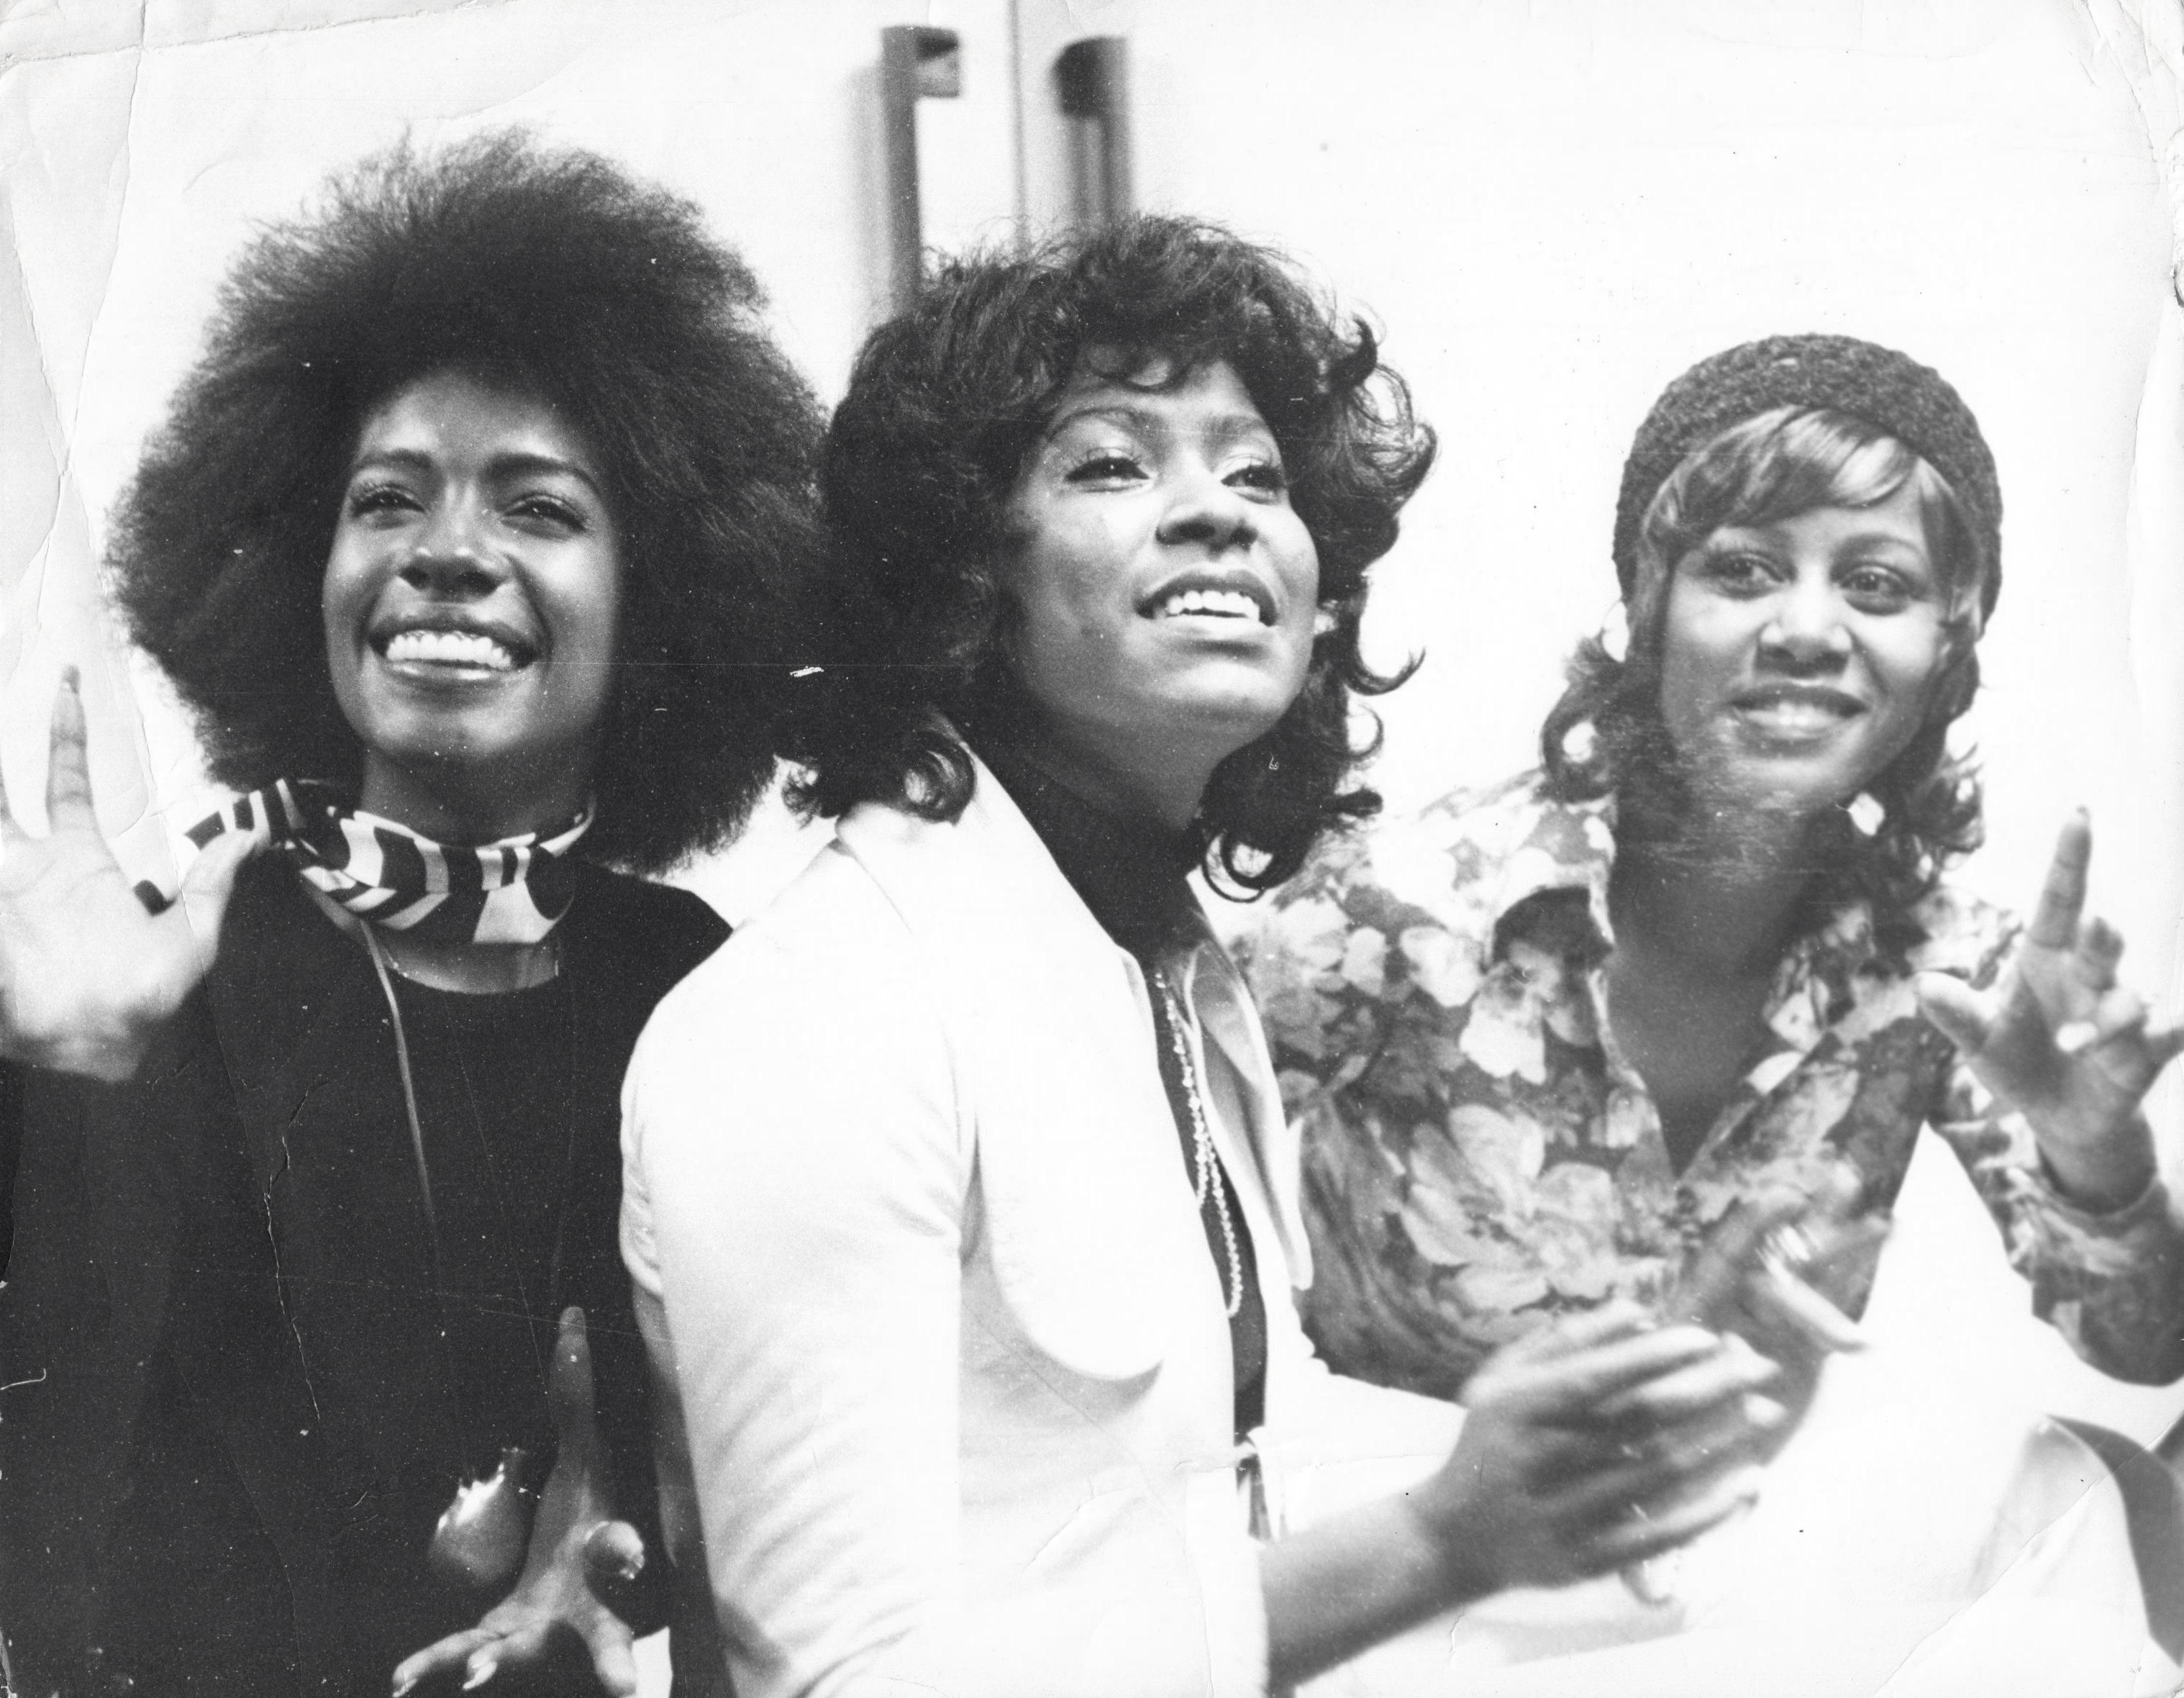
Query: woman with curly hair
x=468, y=542
x=1040, y=1417
x=1541, y=1042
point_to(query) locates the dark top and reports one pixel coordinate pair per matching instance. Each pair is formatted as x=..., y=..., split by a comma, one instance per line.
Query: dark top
x=1132, y=875
x=254, y=1376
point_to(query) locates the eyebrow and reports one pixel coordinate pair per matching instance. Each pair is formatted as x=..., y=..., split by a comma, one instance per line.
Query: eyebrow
x=1223, y=427
x=1767, y=533
x=516, y=464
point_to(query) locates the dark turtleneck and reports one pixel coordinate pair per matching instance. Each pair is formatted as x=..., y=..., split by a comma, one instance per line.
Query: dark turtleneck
x=1132, y=875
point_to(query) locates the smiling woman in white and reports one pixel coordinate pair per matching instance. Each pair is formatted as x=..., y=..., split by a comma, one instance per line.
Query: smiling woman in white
x=959, y=1195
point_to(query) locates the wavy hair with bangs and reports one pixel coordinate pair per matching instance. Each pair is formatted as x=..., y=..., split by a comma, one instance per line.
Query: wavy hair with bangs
x=550, y=269
x=1605, y=736
x=946, y=402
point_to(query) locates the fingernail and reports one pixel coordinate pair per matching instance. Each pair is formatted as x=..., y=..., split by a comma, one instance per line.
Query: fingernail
x=1820, y=1321
x=2073, y=1036
x=480, y=1673
x=1755, y=1369
x=71, y=679
x=1790, y=1243
x=403, y=1687
x=1763, y=1412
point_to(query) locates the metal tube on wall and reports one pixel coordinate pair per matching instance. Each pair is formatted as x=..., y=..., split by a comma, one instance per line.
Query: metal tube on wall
x=915, y=61
x=1094, y=76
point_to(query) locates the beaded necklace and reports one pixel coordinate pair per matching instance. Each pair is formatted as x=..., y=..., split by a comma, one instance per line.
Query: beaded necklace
x=1205, y=1163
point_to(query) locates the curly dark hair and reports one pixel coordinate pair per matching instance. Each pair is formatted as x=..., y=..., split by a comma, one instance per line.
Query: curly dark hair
x=1606, y=735
x=944, y=405
x=554, y=269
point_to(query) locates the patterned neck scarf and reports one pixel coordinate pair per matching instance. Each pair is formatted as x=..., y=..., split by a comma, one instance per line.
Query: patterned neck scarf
x=512, y=892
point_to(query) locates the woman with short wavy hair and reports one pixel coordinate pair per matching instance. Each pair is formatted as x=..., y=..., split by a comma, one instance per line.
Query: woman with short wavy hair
x=944, y=405
x=1035, y=1415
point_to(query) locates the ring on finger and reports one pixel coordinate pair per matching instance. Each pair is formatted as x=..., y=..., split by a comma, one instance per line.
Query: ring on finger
x=1789, y=1245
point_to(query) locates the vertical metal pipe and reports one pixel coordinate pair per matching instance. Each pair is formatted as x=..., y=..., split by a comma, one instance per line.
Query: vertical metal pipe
x=916, y=60
x=1095, y=79
x=1020, y=175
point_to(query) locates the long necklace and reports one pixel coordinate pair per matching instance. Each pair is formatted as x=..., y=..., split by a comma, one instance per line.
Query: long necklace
x=1206, y=1164
x=482, y=1535
x=378, y=952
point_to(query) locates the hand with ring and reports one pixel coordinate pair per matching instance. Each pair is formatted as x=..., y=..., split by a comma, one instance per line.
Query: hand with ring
x=1596, y=1442
x=1762, y=1274
x=576, y=1597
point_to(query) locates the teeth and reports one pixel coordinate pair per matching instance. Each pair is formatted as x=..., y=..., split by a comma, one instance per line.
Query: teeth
x=1224, y=604
x=450, y=648
x=1796, y=716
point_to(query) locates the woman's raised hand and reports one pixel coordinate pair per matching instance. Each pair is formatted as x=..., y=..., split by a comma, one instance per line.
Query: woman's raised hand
x=2062, y=1042
x=1596, y=1442
x=87, y=974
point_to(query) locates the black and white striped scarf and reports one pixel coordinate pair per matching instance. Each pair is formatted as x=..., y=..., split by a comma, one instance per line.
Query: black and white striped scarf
x=511, y=891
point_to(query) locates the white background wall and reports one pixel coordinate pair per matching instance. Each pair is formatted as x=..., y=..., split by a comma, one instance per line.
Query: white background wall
x=1549, y=208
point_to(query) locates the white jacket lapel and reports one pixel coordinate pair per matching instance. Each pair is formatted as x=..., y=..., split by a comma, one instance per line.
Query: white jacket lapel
x=1231, y=1024
x=1090, y=1236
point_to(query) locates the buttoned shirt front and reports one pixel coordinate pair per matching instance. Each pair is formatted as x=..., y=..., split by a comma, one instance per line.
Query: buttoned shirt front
x=1481, y=1157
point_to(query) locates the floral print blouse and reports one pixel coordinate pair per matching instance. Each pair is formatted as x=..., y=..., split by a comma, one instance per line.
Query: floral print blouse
x=1479, y=1158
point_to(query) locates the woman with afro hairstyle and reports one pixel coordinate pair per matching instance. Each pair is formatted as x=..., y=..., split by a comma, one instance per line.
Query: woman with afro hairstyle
x=468, y=542
x=1042, y=1420
x=1546, y=1043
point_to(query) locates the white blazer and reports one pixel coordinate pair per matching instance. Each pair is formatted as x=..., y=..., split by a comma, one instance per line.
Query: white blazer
x=927, y=1290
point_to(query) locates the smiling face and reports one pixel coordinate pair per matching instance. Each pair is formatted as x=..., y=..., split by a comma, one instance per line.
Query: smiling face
x=1798, y=658
x=1163, y=588
x=469, y=602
